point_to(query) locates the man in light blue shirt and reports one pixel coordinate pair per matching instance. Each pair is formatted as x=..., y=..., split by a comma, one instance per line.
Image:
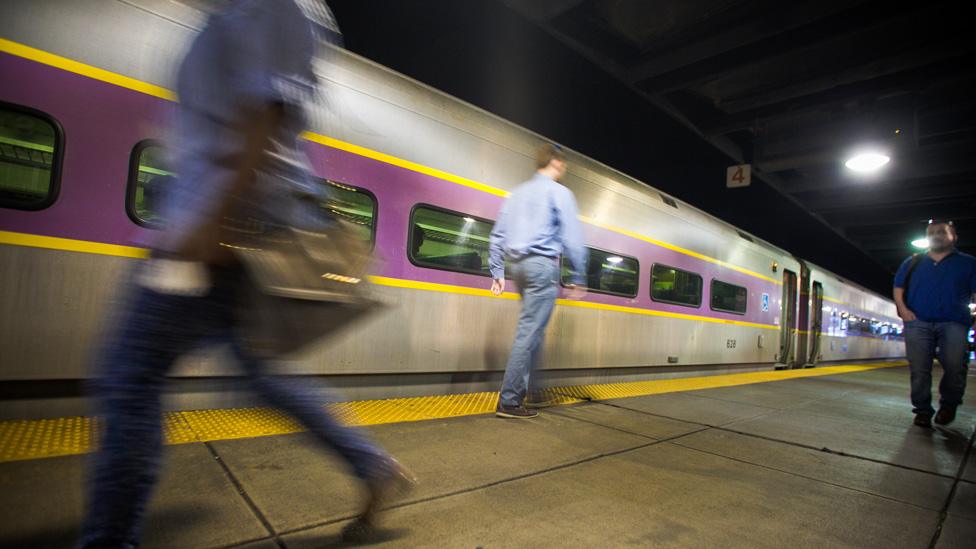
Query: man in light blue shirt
x=537, y=223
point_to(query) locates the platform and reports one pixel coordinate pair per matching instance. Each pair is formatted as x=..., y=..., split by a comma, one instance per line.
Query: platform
x=804, y=458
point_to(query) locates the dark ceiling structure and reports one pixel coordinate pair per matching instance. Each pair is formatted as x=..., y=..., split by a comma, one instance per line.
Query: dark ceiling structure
x=795, y=88
x=673, y=92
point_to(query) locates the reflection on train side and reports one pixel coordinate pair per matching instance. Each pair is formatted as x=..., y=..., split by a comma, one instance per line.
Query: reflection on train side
x=843, y=323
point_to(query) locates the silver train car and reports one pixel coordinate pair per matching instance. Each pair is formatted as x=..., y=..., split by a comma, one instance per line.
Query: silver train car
x=85, y=102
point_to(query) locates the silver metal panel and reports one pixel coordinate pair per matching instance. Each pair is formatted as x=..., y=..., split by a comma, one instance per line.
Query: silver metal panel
x=55, y=303
x=52, y=306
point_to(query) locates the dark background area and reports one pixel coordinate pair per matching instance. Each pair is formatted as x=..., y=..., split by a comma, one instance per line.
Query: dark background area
x=574, y=72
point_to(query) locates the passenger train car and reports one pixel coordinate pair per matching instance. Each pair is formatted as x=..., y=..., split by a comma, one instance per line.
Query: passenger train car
x=85, y=102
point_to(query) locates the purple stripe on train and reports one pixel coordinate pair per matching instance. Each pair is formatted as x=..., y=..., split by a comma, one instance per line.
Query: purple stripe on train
x=101, y=124
x=398, y=190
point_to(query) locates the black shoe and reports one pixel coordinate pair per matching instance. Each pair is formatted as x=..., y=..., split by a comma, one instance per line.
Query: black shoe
x=946, y=415
x=923, y=420
x=515, y=412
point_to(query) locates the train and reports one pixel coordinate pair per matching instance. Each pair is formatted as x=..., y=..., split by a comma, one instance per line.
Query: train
x=86, y=101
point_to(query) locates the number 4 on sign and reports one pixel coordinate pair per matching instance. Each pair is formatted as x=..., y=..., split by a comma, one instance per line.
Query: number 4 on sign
x=738, y=176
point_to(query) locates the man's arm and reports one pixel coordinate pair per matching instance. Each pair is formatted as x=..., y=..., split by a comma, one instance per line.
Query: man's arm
x=898, y=293
x=202, y=244
x=571, y=234
x=904, y=312
x=496, y=251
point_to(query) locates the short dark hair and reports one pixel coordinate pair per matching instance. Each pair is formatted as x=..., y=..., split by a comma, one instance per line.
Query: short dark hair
x=547, y=153
x=946, y=222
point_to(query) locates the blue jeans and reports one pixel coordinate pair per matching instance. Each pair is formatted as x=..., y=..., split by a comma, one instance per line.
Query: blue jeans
x=537, y=278
x=921, y=341
x=154, y=330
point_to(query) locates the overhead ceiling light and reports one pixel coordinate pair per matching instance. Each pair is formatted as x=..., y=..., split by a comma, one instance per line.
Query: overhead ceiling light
x=469, y=220
x=615, y=259
x=921, y=243
x=867, y=162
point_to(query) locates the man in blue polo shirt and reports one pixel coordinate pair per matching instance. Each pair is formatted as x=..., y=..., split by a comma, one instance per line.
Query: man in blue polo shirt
x=933, y=292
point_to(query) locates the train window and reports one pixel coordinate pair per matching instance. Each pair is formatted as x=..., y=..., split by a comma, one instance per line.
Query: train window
x=671, y=285
x=31, y=145
x=452, y=241
x=355, y=205
x=607, y=272
x=148, y=175
x=728, y=298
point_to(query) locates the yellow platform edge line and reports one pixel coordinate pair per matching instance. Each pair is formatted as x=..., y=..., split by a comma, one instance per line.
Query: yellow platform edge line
x=95, y=73
x=22, y=440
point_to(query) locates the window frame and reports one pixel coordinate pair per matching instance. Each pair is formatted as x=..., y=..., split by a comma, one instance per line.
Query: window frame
x=57, y=159
x=711, y=283
x=701, y=293
x=419, y=263
x=133, y=178
x=606, y=292
x=374, y=226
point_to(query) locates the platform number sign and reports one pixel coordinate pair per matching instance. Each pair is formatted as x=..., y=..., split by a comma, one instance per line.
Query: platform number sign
x=738, y=176
x=765, y=302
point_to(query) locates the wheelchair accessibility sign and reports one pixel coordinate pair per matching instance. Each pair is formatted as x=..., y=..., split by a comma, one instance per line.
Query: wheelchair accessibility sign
x=765, y=302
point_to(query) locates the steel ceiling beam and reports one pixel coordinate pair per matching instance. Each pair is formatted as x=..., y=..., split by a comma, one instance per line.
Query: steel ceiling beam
x=844, y=25
x=912, y=81
x=755, y=30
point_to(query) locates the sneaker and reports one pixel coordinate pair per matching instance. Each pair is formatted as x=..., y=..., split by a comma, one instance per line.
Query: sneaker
x=515, y=412
x=923, y=420
x=946, y=415
x=539, y=400
x=396, y=482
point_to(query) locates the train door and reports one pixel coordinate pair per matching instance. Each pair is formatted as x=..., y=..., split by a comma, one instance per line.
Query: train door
x=787, y=333
x=816, y=325
x=803, y=322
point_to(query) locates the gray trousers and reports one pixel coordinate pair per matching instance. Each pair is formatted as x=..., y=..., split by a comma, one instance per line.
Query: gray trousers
x=537, y=278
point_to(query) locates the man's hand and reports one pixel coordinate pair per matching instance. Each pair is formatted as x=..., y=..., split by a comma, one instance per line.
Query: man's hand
x=498, y=286
x=575, y=292
x=907, y=315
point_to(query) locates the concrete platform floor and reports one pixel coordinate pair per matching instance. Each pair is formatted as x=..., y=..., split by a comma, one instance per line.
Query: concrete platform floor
x=813, y=462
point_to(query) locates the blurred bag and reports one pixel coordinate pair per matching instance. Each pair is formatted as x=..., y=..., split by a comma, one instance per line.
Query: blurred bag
x=305, y=283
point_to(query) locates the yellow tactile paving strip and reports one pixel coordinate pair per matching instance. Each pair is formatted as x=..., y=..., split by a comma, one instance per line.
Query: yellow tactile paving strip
x=35, y=439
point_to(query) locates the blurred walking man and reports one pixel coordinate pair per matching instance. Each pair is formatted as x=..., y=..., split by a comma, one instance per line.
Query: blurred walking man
x=242, y=87
x=537, y=224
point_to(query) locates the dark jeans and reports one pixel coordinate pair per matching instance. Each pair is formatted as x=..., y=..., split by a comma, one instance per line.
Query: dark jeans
x=921, y=340
x=154, y=330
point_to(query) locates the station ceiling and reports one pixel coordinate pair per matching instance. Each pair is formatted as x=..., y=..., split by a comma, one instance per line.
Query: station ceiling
x=795, y=88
